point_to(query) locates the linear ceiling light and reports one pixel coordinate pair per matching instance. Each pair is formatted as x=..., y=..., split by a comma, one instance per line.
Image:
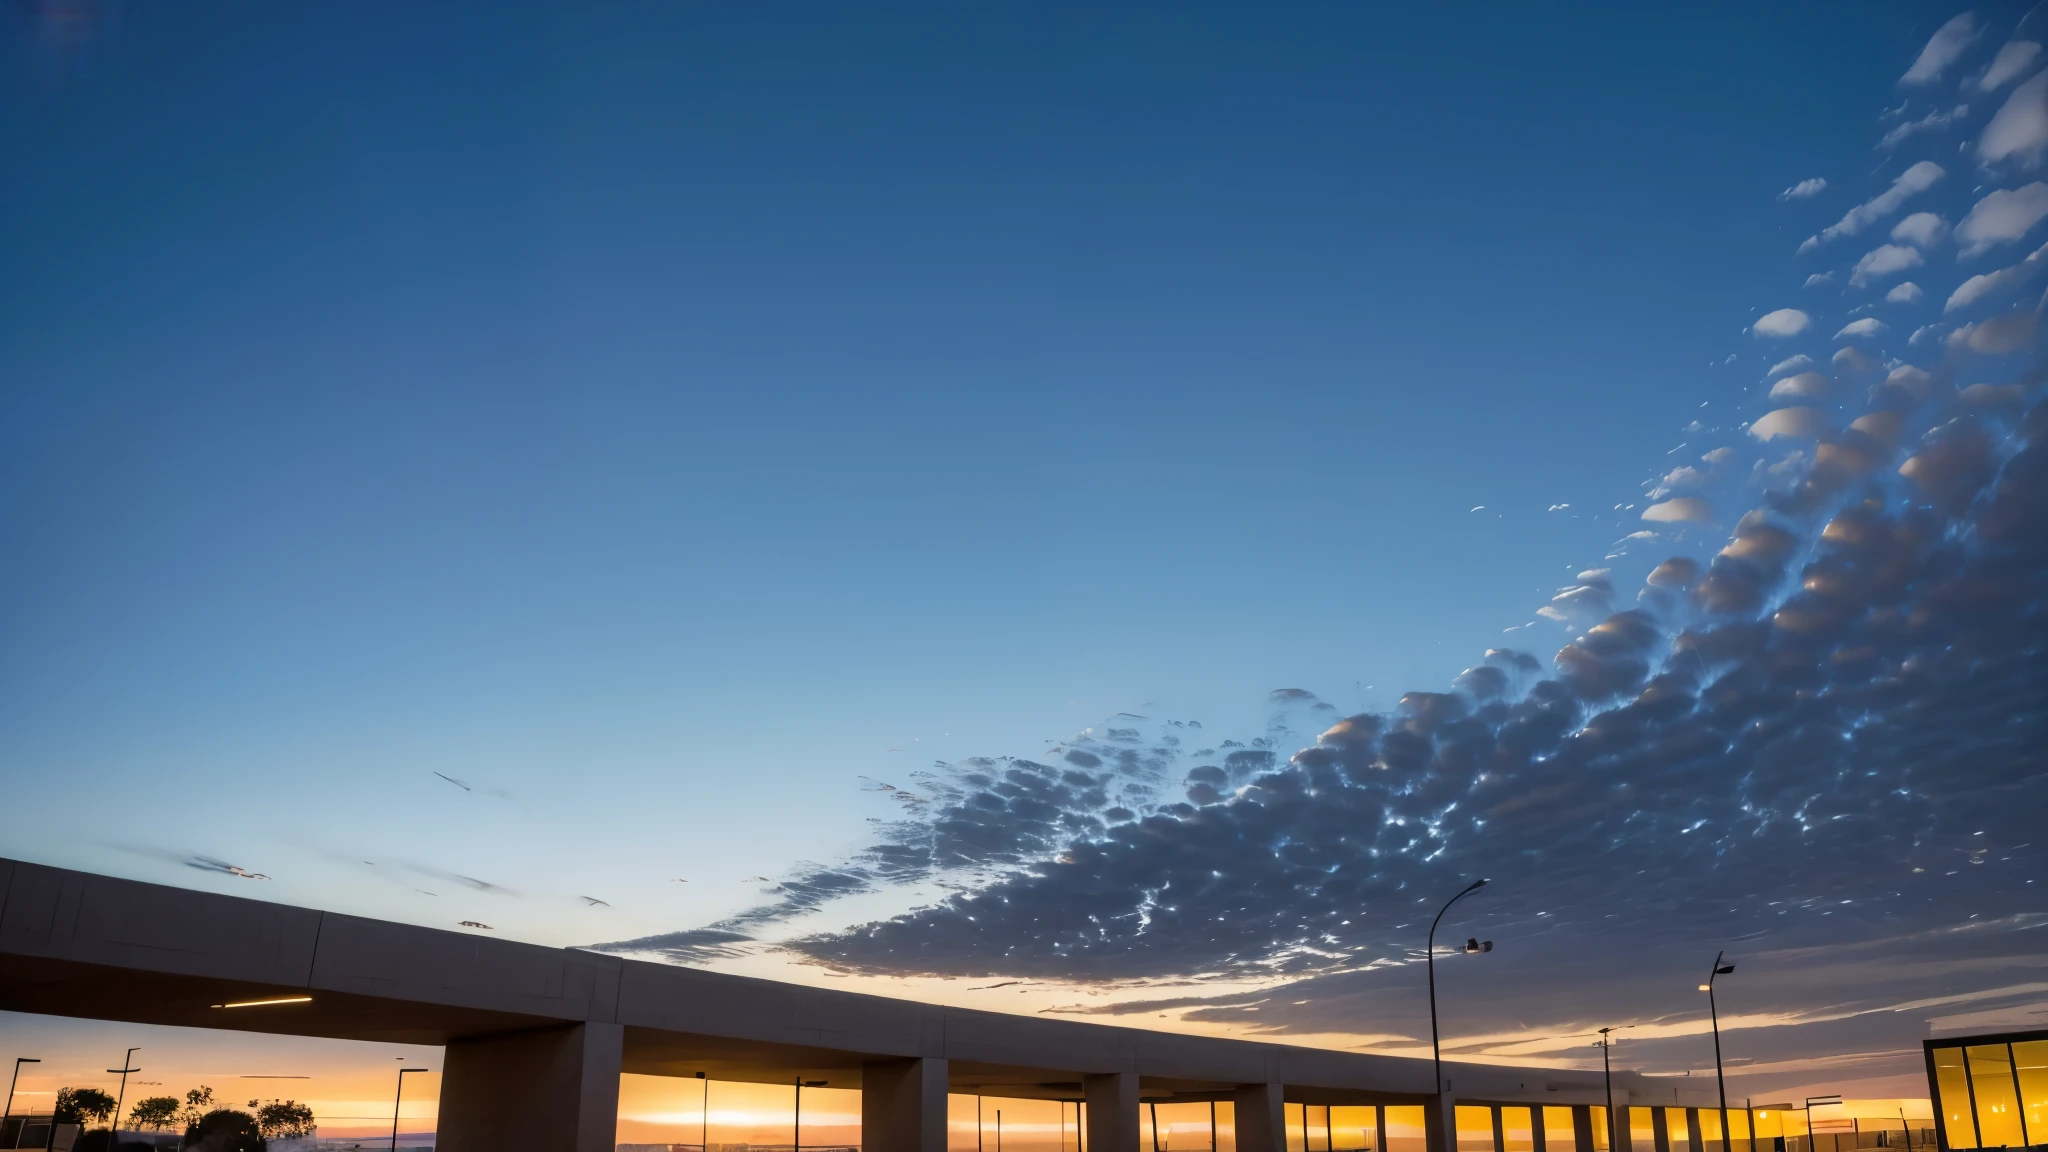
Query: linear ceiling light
x=266, y=1003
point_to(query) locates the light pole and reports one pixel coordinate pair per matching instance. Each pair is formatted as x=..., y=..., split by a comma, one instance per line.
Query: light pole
x=394, y=1104
x=796, y=1128
x=1446, y=1126
x=114, y=1125
x=704, y=1117
x=1607, y=1076
x=18, y=1062
x=1714, y=1014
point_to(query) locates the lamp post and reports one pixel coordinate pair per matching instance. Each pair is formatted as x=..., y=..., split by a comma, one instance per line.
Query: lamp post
x=1607, y=1076
x=394, y=1104
x=18, y=1062
x=704, y=1117
x=796, y=1128
x=114, y=1125
x=1714, y=1014
x=1436, y=1058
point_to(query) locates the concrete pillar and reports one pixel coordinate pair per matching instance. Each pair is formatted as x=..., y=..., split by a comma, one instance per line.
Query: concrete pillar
x=1620, y=1133
x=903, y=1106
x=1582, y=1128
x=1261, y=1117
x=1660, y=1129
x=1112, y=1099
x=1692, y=1137
x=539, y=1090
x=1440, y=1122
x=1539, y=1140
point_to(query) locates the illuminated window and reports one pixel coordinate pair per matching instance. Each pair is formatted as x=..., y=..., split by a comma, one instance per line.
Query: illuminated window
x=1354, y=1129
x=1559, y=1134
x=1405, y=1132
x=2030, y=1060
x=1677, y=1130
x=1642, y=1131
x=1601, y=1133
x=1515, y=1130
x=1475, y=1129
x=1953, y=1086
x=1998, y=1108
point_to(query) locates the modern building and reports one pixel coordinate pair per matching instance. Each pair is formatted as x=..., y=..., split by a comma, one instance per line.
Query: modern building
x=535, y=1040
x=1990, y=1090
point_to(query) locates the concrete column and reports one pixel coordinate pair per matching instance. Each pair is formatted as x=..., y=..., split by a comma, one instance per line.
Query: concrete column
x=1620, y=1133
x=1692, y=1138
x=1660, y=1129
x=1112, y=1111
x=1582, y=1128
x=540, y=1090
x=1440, y=1122
x=1261, y=1117
x=903, y=1106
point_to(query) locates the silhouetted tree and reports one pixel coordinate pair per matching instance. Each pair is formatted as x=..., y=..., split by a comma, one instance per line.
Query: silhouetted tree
x=226, y=1130
x=81, y=1105
x=198, y=1102
x=155, y=1113
x=282, y=1119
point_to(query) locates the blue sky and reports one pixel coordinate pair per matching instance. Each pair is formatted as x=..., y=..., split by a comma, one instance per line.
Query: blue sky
x=658, y=421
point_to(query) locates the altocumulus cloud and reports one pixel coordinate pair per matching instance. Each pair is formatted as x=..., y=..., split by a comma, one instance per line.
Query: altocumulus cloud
x=1819, y=730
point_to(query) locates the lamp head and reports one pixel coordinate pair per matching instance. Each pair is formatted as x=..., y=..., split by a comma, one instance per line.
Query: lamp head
x=1706, y=987
x=1724, y=969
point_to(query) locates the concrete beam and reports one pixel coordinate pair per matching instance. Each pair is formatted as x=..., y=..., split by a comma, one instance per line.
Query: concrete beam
x=540, y=1090
x=1112, y=1099
x=903, y=1105
x=1261, y=1112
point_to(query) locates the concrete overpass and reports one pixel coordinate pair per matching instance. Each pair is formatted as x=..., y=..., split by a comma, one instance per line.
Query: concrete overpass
x=536, y=1038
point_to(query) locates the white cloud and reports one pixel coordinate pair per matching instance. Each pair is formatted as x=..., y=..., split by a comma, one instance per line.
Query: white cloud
x=1937, y=119
x=1798, y=363
x=1809, y=187
x=1685, y=508
x=1858, y=329
x=1882, y=261
x=1993, y=283
x=1719, y=456
x=1789, y=422
x=1998, y=335
x=1905, y=292
x=1942, y=50
x=1915, y=381
x=2010, y=64
x=2002, y=217
x=1819, y=278
x=1924, y=333
x=1921, y=229
x=1783, y=322
x=2019, y=129
x=1919, y=178
x=1805, y=386
x=1851, y=360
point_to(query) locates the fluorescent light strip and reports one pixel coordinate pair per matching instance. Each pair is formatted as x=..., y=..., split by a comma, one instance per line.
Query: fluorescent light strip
x=265, y=1003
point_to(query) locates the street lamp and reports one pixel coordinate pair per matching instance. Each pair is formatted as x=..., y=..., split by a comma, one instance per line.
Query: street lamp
x=1605, y=1043
x=114, y=1125
x=1436, y=1056
x=796, y=1128
x=18, y=1062
x=704, y=1117
x=394, y=1104
x=1714, y=1014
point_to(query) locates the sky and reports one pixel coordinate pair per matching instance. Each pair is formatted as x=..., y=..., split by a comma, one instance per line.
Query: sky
x=1115, y=513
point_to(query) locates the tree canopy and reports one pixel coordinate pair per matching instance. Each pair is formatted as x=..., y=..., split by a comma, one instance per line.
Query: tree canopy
x=226, y=1130
x=82, y=1105
x=284, y=1118
x=154, y=1113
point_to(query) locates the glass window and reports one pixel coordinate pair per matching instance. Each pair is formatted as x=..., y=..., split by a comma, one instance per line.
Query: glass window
x=1642, y=1132
x=1354, y=1129
x=2030, y=1059
x=1710, y=1129
x=1738, y=1130
x=1405, y=1132
x=1998, y=1109
x=1559, y=1135
x=1601, y=1136
x=1515, y=1130
x=1677, y=1130
x=1475, y=1129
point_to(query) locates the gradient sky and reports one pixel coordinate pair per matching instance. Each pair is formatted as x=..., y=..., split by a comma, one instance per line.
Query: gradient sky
x=566, y=471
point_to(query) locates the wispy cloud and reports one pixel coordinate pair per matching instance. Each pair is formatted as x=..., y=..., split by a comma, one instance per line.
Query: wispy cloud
x=1947, y=45
x=1919, y=178
x=2018, y=131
